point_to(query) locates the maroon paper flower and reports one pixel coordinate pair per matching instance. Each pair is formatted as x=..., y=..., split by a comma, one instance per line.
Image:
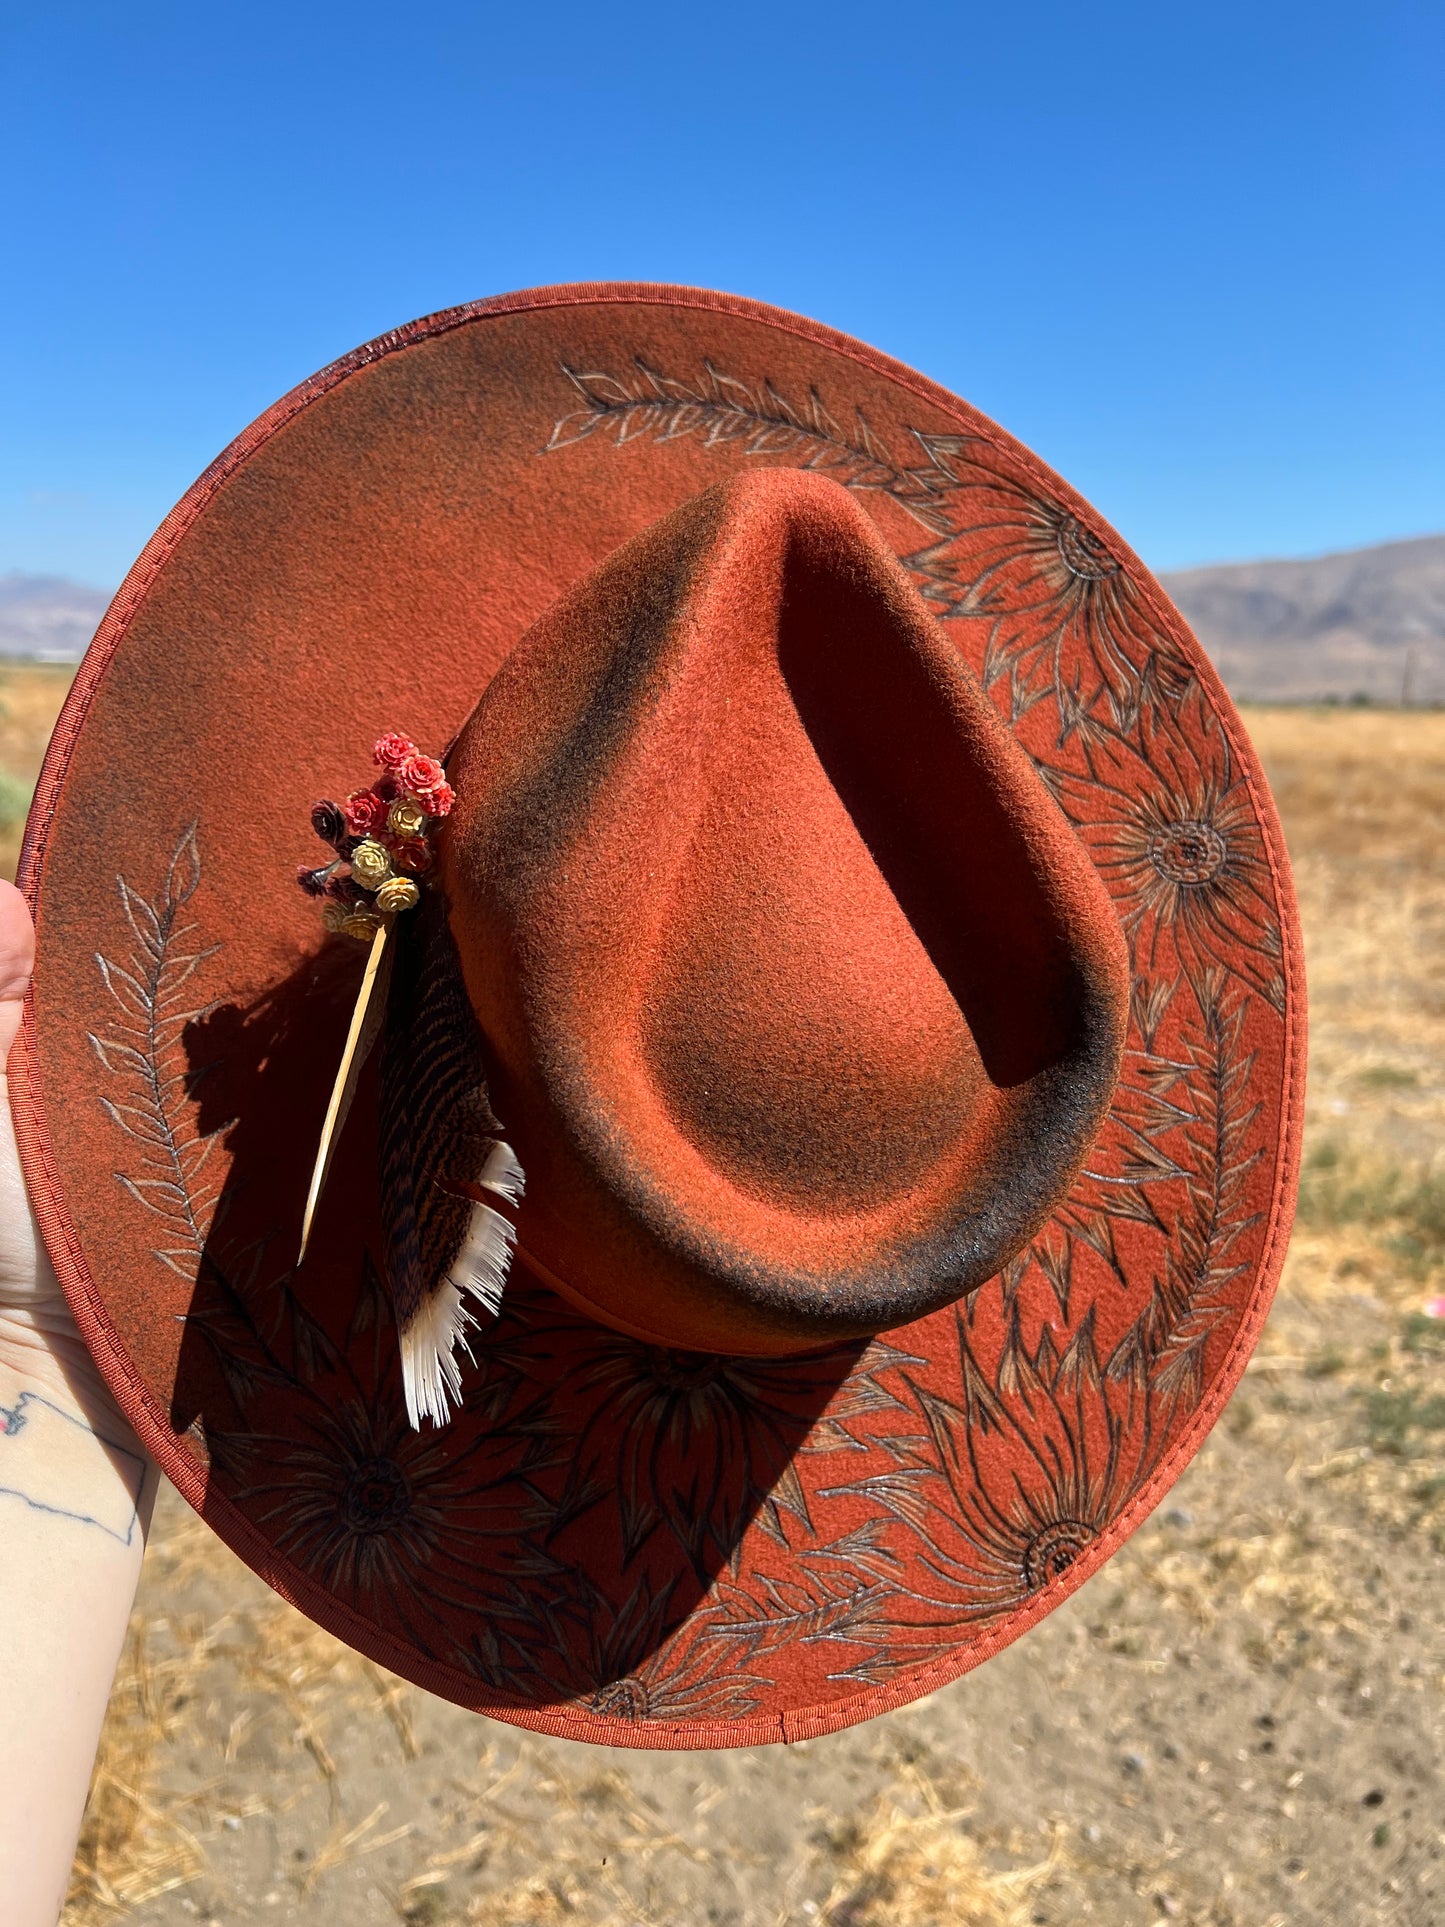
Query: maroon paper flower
x=328, y=821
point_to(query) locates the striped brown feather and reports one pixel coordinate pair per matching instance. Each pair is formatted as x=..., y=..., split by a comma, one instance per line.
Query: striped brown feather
x=437, y=1139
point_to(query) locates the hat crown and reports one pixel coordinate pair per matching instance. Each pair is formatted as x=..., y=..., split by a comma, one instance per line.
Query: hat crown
x=802, y=995
x=802, y=999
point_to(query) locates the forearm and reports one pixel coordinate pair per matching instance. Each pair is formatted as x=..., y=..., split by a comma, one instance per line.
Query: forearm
x=75, y=1499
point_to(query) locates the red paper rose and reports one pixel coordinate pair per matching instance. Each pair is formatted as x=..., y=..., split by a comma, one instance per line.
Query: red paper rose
x=365, y=812
x=438, y=802
x=421, y=775
x=392, y=750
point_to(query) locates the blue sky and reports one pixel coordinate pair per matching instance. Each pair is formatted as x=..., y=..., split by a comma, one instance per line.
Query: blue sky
x=1193, y=254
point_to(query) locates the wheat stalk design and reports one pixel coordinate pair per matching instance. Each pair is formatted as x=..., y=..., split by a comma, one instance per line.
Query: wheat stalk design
x=142, y=1051
x=723, y=411
x=808, y=1609
x=1164, y=1348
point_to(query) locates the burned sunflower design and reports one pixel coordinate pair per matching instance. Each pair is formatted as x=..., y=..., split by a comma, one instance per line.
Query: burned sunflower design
x=1058, y=601
x=1190, y=862
x=704, y=1445
x=637, y=1671
x=1007, y=1489
x=550, y=1632
x=384, y=1517
x=1183, y=854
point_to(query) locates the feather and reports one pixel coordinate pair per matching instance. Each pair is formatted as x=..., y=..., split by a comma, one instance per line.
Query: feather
x=366, y=1019
x=430, y=1375
x=480, y=1267
x=441, y=1158
x=502, y=1173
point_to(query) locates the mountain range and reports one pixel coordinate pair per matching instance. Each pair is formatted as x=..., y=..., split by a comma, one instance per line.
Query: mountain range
x=48, y=618
x=1364, y=623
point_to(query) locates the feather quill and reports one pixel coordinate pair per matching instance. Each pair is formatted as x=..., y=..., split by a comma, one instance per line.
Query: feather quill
x=366, y=1019
x=442, y=1159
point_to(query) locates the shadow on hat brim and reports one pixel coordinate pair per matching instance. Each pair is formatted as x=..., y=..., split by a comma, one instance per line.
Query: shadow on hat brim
x=616, y=1542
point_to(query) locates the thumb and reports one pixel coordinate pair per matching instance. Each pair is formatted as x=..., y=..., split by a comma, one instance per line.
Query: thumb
x=23, y=1271
x=17, y=960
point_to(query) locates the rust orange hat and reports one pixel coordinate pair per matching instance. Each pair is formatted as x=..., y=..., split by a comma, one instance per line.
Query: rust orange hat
x=849, y=898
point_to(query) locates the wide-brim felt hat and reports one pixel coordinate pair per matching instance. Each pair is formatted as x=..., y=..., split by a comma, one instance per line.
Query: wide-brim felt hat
x=857, y=909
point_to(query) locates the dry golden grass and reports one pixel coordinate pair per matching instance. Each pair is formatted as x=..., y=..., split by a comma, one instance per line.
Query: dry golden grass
x=911, y=1861
x=270, y=1717
x=278, y=1677
x=30, y=699
x=134, y=1849
x=1362, y=795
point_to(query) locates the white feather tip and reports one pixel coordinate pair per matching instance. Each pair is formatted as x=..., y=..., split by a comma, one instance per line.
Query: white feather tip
x=431, y=1379
x=430, y=1375
x=502, y=1173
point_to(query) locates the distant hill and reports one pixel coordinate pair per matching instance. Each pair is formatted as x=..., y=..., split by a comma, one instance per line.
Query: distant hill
x=47, y=618
x=1367, y=622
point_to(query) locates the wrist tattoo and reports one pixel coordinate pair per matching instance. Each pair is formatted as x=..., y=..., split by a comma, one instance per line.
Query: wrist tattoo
x=47, y=1462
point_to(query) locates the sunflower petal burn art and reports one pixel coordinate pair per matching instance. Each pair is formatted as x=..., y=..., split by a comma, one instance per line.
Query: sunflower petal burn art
x=443, y=1160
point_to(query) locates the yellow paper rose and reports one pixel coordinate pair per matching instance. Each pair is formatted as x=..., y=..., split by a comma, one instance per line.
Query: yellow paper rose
x=397, y=893
x=370, y=864
x=406, y=817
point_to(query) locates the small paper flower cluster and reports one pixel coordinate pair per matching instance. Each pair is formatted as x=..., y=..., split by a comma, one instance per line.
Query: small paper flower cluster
x=380, y=836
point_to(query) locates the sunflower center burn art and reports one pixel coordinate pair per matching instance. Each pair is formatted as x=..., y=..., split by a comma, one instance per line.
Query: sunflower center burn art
x=1083, y=554
x=376, y=1496
x=624, y=1699
x=674, y=1371
x=1188, y=853
x=1054, y=1550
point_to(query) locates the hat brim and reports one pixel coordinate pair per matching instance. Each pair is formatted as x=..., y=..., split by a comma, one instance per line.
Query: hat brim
x=613, y=1542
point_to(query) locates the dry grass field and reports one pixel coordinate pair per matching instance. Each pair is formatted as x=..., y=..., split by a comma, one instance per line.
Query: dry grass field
x=30, y=699
x=1239, y=1721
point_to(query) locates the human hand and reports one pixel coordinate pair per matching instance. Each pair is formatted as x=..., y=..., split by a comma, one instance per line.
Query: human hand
x=38, y=1336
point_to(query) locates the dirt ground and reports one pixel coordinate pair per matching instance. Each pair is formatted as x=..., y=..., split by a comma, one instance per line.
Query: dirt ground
x=1238, y=1721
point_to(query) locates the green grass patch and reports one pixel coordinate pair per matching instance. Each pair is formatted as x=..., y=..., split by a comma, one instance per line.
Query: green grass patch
x=1328, y=1363
x=1388, y=1077
x=1423, y=1334
x=1340, y=1186
x=1398, y=1419
x=14, y=800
